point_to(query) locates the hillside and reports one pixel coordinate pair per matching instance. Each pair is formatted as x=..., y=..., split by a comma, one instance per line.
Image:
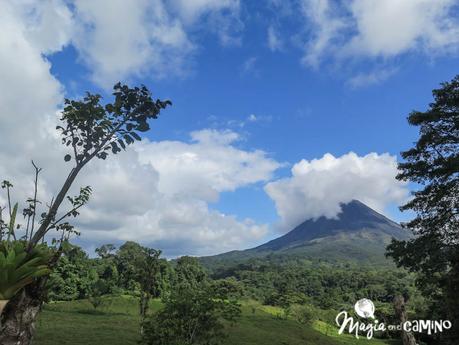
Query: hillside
x=117, y=322
x=358, y=234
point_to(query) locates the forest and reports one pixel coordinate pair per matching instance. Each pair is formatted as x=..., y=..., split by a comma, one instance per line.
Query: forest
x=303, y=290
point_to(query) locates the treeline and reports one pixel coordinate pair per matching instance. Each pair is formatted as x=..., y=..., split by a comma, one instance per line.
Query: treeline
x=114, y=271
x=285, y=281
x=194, y=306
x=277, y=281
x=326, y=285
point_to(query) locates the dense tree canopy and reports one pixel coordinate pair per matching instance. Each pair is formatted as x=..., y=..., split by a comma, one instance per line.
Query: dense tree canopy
x=433, y=165
x=194, y=310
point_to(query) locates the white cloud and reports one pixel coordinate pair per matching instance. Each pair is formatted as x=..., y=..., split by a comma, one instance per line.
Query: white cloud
x=191, y=10
x=157, y=192
x=207, y=166
x=48, y=24
x=317, y=187
x=249, y=65
x=29, y=94
x=274, y=41
x=373, y=77
x=379, y=28
x=224, y=20
x=391, y=27
x=252, y=118
x=327, y=26
x=119, y=39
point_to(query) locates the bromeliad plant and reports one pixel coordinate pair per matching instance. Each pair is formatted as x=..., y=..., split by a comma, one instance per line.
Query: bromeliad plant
x=19, y=268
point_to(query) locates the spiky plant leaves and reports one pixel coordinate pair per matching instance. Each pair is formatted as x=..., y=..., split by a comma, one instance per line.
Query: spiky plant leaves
x=12, y=221
x=19, y=268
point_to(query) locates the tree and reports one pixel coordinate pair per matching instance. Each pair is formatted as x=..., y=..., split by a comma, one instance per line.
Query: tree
x=189, y=273
x=96, y=291
x=140, y=270
x=106, y=251
x=433, y=165
x=73, y=275
x=106, y=268
x=400, y=314
x=147, y=274
x=194, y=310
x=126, y=257
x=90, y=130
x=304, y=314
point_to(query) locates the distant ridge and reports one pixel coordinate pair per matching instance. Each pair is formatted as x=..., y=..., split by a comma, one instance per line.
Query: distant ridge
x=358, y=234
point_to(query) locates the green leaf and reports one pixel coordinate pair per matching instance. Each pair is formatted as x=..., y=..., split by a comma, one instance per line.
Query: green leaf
x=128, y=139
x=121, y=142
x=143, y=126
x=136, y=136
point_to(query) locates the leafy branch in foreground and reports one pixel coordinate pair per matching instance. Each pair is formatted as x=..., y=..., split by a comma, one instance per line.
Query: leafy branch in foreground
x=91, y=130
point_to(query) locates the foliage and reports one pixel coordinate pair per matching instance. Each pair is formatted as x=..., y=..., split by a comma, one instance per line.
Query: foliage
x=147, y=273
x=228, y=287
x=189, y=273
x=131, y=269
x=73, y=275
x=126, y=258
x=19, y=268
x=433, y=164
x=190, y=316
x=92, y=129
x=304, y=314
x=284, y=281
x=97, y=290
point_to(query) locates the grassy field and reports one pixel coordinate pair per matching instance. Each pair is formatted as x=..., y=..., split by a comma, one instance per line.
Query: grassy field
x=117, y=323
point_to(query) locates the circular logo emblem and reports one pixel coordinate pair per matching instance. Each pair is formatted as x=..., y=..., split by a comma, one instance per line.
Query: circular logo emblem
x=365, y=308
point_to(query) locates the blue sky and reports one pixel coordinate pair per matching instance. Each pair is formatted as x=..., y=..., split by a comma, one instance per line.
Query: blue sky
x=268, y=86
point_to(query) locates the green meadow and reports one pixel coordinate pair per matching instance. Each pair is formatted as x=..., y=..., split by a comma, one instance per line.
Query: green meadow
x=116, y=322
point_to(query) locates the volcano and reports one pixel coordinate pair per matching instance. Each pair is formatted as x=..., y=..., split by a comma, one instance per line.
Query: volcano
x=358, y=233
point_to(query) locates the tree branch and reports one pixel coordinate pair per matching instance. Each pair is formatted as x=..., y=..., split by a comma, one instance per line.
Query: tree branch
x=37, y=171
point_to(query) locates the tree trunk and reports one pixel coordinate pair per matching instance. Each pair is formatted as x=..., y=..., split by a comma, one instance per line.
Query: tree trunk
x=452, y=299
x=400, y=312
x=144, y=305
x=17, y=325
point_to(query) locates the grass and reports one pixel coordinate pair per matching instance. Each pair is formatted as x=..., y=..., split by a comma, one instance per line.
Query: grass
x=116, y=322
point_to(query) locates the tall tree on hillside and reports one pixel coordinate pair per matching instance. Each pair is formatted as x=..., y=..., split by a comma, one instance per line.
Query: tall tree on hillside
x=147, y=274
x=189, y=273
x=90, y=130
x=433, y=165
x=194, y=310
x=126, y=257
x=73, y=276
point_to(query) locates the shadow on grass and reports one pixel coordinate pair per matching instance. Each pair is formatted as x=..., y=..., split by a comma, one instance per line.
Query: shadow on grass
x=92, y=312
x=99, y=312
